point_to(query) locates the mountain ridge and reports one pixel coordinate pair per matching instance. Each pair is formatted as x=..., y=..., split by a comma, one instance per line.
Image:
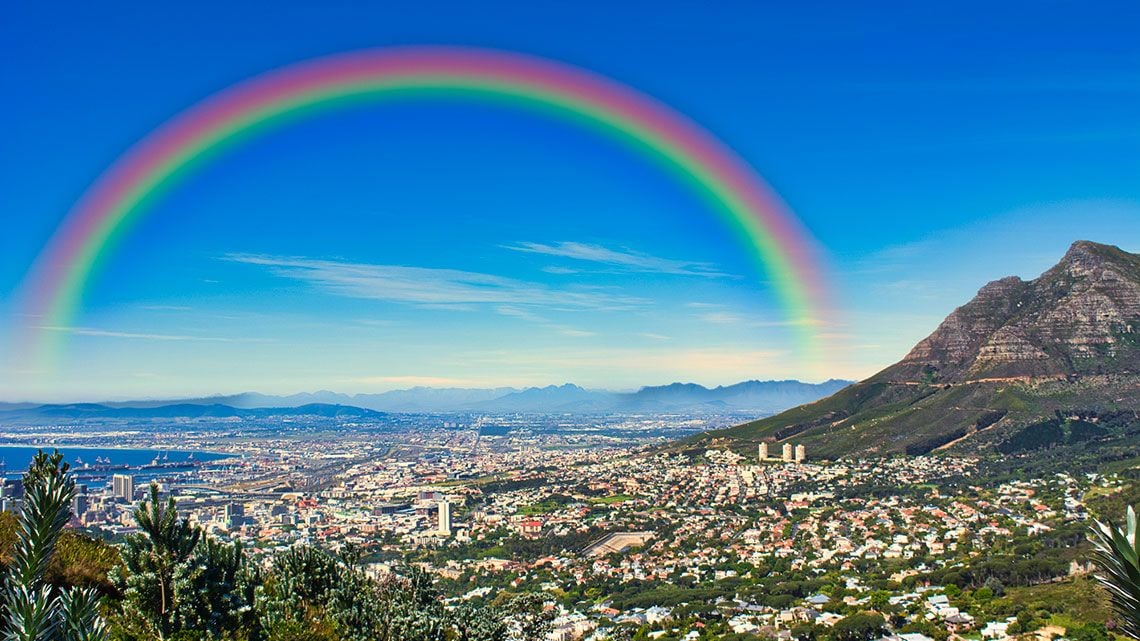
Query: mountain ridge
x=760, y=397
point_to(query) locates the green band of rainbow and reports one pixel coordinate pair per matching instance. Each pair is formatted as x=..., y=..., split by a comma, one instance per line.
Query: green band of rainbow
x=780, y=247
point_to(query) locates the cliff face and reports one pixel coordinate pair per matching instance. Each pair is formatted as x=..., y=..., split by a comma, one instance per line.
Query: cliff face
x=1080, y=317
x=1020, y=350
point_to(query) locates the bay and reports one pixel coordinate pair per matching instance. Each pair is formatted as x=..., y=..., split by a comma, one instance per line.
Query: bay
x=15, y=459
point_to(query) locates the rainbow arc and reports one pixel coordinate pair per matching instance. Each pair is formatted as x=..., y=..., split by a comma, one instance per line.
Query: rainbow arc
x=779, y=246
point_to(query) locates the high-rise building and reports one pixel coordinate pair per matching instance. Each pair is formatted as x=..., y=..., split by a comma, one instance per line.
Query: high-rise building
x=763, y=451
x=234, y=514
x=788, y=452
x=801, y=453
x=445, y=518
x=12, y=489
x=79, y=502
x=123, y=487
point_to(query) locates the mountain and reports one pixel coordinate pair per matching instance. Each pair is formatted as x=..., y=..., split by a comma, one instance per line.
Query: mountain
x=431, y=399
x=757, y=397
x=80, y=411
x=1021, y=360
x=552, y=398
x=760, y=397
x=764, y=397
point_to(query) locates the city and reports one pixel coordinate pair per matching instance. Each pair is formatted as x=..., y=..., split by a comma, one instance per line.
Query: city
x=747, y=543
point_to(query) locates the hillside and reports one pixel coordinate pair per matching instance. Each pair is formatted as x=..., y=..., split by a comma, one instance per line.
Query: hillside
x=1046, y=361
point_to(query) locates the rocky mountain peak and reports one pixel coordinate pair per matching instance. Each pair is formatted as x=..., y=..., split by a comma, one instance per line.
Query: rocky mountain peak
x=1088, y=259
x=1081, y=316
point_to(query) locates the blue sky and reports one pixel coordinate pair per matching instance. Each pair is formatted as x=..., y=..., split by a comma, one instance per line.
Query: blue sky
x=929, y=149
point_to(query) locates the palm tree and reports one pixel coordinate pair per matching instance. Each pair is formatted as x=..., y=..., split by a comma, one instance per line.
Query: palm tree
x=1117, y=551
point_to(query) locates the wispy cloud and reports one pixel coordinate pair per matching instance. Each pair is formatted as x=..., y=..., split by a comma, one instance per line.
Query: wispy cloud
x=560, y=271
x=106, y=333
x=721, y=318
x=516, y=312
x=575, y=332
x=529, y=316
x=431, y=287
x=623, y=259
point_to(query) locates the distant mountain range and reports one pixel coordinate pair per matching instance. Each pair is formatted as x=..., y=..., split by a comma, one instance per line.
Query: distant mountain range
x=757, y=397
x=1038, y=363
x=81, y=411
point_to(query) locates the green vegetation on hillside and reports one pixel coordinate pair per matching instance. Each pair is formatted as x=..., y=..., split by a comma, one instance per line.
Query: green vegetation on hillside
x=171, y=581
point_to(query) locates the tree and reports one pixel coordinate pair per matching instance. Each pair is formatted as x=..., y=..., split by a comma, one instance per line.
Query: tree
x=478, y=624
x=310, y=589
x=527, y=616
x=214, y=589
x=35, y=610
x=1089, y=632
x=177, y=581
x=804, y=632
x=1117, y=551
x=996, y=587
x=151, y=560
x=861, y=626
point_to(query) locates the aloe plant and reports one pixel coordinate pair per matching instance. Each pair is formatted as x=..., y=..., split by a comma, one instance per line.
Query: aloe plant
x=1116, y=549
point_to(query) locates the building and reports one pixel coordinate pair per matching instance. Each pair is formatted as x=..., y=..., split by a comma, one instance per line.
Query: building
x=79, y=502
x=801, y=453
x=123, y=487
x=234, y=515
x=788, y=452
x=12, y=489
x=763, y=451
x=445, y=518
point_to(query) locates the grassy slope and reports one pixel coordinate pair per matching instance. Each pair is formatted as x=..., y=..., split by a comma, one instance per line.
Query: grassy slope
x=1075, y=600
x=879, y=417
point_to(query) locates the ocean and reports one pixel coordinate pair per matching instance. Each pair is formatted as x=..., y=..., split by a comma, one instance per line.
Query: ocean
x=15, y=459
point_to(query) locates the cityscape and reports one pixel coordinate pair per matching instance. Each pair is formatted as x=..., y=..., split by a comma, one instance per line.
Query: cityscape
x=570, y=507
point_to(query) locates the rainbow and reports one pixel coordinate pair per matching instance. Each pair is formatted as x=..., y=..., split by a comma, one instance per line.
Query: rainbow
x=778, y=244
